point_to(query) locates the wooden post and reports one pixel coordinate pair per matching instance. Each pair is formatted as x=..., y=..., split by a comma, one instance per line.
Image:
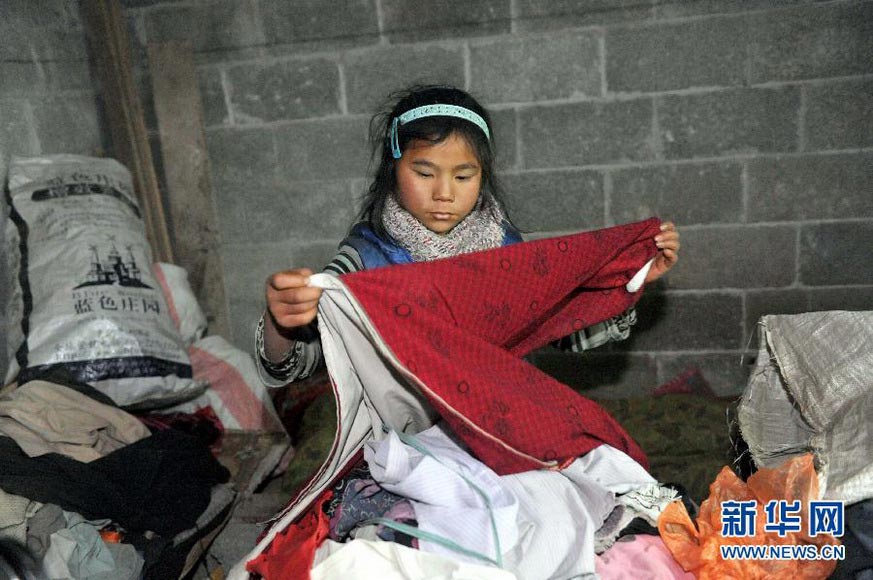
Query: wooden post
x=107, y=34
x=186, y=168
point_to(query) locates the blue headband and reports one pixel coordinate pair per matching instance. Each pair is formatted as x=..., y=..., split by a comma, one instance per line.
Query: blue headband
x=432, y=111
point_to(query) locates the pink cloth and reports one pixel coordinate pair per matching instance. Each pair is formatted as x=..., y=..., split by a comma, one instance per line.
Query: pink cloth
x=642, y=557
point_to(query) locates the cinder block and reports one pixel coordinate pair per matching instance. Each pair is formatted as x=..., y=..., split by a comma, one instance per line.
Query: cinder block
x=300, y=211
x=669, y=56
x=328, y=148
x=45, y=45
x=29, y=78
x=244, y=316
x=19, y=78
x=224, y=25
x=27, y=14
x=243, y=157
x=504, y=136
x=829, y=40
x=373, y=74
x=359, y=188
x=811, y=187
x=726, y=374
x=215, y=111
x=686, y=194
x=600, y=375
x=850, y=298
x=729, y=122
x=535, y=68
x=736, y=257
x=323, y=24
x=551, y=201
x=839, y=115
x=247, y=266
x=833, y=254
x=232, y=202
x=59, y=44
x=67, y=75
x=314, y=255
x=586, y=134
x=677, y=321
x=284, y=90
x=797, y=301
x=765, y=302
x=404, y=21
x=18, y=136
x=666, y=9
x=41, y=30
x=560, y=14
x=68, y=124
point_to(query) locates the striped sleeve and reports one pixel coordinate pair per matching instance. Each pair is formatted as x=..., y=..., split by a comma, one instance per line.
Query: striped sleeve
x=346, y=261
x=615, y=329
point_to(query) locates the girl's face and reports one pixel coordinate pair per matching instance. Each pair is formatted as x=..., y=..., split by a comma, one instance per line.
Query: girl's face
x=439, y=183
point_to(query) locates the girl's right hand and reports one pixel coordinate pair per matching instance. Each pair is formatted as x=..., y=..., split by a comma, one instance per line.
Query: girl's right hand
x=290, y=302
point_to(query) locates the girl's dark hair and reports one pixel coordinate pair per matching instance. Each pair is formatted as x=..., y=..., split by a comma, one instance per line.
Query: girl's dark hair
x=435, y=130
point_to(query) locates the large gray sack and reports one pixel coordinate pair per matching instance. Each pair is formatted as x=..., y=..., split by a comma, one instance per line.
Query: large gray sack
x=812, y=391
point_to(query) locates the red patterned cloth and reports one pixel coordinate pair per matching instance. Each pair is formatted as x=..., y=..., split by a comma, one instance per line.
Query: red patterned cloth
x=460, y=326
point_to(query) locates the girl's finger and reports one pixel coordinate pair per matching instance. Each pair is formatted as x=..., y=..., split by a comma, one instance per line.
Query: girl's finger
x=297, y=308
x=289, y=279
x=296, y=295
x=669, y=245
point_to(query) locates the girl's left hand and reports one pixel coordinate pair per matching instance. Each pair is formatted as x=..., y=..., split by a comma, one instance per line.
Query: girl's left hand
x=668, y=254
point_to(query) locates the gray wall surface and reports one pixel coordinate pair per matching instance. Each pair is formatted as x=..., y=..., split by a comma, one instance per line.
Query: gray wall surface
x=749, y=124
x=48, y=101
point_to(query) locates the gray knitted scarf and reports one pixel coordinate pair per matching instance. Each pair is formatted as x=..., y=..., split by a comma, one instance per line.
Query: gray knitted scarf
x=481, y=230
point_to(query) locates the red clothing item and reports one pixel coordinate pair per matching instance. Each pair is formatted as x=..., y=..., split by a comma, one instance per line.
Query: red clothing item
x=459, y=326
x=292, y=551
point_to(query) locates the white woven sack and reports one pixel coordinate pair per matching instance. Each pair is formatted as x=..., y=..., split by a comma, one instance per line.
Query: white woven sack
x=812, y=390
x=83, y=297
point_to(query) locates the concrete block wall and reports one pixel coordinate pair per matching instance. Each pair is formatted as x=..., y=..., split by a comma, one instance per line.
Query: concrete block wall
x=48, y=102
x=749, y=124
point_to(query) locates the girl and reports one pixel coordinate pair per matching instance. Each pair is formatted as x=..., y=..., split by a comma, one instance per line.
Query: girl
x=434, y=195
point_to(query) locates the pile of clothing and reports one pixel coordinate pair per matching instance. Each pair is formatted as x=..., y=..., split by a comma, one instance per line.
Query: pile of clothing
x=454, y=454
x=97, y=331
x=90, y=492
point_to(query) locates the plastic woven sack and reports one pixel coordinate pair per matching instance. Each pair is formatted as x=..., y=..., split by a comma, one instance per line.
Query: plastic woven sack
x=812, y=391
x=698, y=548
x=83, y=297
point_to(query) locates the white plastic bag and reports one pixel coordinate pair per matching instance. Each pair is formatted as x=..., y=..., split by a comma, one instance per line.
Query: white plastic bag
x=181, y=302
